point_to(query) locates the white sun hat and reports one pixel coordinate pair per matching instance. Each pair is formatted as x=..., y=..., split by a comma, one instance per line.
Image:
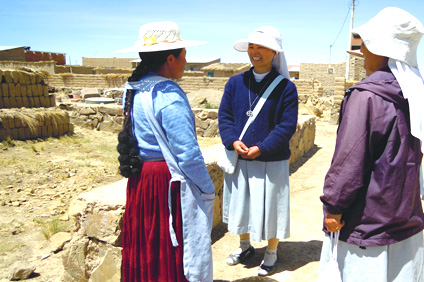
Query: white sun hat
x=392, y=33
x=160, y=36
x=268, y=37
x=395, y=33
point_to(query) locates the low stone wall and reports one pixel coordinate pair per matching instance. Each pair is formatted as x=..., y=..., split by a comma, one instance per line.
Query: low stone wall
x=304, y=138
x=93, y=116
x=110, y=118
x=94, y=253
x=339, y=91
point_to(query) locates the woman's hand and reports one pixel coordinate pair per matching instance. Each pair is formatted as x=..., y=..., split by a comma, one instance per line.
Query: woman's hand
x=246, y=153
x=333, y=222
x=253, y=153
x=240, y=148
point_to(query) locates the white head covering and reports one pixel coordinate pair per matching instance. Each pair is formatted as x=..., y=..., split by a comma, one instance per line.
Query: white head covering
x=394, y=33
x=269, y=37
x=159, y=36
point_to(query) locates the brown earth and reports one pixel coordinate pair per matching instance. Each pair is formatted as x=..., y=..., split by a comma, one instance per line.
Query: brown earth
x=38, y=179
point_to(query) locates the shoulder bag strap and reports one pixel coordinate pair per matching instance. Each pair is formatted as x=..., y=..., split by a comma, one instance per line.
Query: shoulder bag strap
x=260, y=103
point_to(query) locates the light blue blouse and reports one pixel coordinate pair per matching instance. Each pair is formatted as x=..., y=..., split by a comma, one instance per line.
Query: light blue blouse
x=173, y=112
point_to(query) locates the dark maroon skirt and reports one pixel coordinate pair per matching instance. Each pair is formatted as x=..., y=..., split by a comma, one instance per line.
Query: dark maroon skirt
x=148, y=254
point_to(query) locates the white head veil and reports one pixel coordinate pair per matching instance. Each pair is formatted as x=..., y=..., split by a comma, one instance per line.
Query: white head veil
x=394, y=33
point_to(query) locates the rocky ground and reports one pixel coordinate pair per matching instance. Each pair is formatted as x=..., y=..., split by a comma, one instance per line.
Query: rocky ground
x=38, y=179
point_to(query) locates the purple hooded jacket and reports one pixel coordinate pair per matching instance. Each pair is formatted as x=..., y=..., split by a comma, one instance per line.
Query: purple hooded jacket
x=373, y=180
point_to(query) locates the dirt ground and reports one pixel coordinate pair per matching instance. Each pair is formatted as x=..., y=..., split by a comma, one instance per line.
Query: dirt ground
x=299, y=254
x=38, y=179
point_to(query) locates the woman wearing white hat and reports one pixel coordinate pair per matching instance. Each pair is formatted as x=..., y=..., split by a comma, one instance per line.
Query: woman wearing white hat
x=371, y=191
x=167, y=220
x=256, y=195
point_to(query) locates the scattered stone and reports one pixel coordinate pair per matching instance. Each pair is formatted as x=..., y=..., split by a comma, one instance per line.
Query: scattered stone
x=44, y=256
x=58, y=240
x=16, y=230
x=20, y=270
x=109, y=268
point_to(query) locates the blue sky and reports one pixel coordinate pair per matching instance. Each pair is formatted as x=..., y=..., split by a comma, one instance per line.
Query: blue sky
x=93, y=28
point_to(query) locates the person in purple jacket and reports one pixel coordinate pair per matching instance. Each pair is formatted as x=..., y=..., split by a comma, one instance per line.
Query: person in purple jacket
x=372, y=191
x=256, y=195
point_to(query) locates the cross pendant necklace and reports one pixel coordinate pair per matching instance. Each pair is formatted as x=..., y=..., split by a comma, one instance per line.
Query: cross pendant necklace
x=249, y=113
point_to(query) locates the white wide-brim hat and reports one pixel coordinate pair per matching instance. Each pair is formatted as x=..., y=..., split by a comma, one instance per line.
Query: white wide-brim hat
x=392, y=33
x=160, y=36
x=266, y=36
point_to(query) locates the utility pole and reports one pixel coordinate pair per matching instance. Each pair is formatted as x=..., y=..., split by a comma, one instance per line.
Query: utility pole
x=350, y=39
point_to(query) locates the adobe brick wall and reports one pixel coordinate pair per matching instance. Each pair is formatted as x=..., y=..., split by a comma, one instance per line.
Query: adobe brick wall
x=309, y=71
x=187, y=83
x=23, y=89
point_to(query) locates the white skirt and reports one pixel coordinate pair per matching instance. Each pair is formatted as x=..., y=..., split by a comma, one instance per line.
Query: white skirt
x=256, y=200
x=399, y=262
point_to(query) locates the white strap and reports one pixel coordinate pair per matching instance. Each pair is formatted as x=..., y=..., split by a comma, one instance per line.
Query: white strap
x=334, y=239
x=260, y=103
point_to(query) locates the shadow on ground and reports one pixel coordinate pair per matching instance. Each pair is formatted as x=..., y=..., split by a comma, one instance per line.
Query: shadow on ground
x=292, y=255
x=303, y=159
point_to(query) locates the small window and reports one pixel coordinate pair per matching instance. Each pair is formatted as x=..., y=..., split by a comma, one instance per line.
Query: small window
x=330, y=70
x=210, y=74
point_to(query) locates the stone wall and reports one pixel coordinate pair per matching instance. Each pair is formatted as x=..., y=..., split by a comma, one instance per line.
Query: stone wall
x=308, y=88
x=304, y=138
x=320, y=72
x=94, y=253
x=356, y=70
x=110, y=118
x=340, y=88
x=189, y=83
x=108, y=62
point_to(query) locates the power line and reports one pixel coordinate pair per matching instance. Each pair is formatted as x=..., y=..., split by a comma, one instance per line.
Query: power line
x=340, y=31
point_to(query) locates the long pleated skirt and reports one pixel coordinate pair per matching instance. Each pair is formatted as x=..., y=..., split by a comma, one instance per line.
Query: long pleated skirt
x=256, y=200
x=399, y=262
x=148, y=254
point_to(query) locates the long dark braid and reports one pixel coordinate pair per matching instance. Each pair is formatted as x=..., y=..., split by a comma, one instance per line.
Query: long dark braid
x=129, y=161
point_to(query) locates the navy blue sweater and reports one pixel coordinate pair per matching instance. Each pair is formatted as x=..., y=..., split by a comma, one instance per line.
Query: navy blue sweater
x=276, y=122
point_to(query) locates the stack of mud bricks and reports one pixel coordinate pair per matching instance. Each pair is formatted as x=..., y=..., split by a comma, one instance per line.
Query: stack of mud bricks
x=23, y=89
x=339, y=91
x=26, y=124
